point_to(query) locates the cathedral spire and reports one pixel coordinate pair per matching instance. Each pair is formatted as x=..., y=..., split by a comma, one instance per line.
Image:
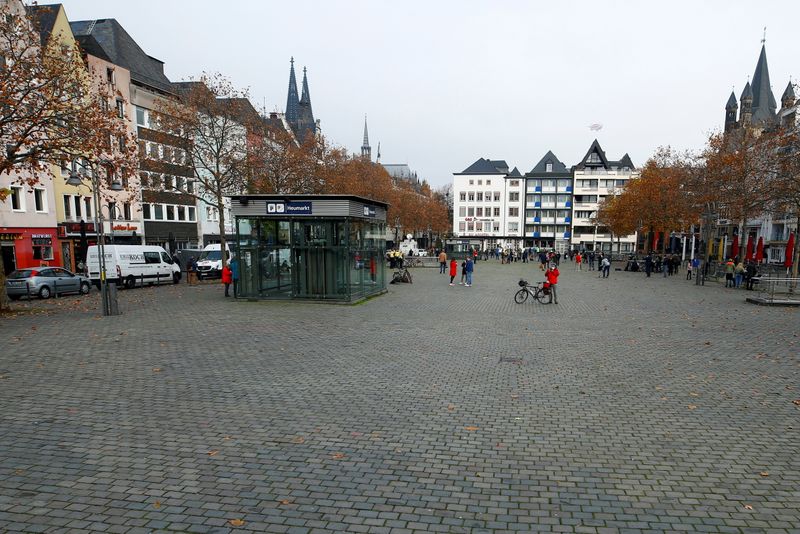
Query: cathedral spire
x=366, y=150
x=306, y=96
x=764, y=104
x=292, y=102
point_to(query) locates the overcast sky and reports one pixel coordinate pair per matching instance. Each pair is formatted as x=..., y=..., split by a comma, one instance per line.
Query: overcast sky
x=446, y=82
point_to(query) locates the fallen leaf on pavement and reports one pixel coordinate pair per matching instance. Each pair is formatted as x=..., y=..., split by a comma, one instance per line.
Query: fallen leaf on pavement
x=471, y=428
x=213, y=453
x=157, y=504
x=764, y=473
x=692, y=406
x=337, y=456
x=451, y=407
x=299, y=439
x=285, y=502
x=236, y=522
x=748, y=507
x=156, y=369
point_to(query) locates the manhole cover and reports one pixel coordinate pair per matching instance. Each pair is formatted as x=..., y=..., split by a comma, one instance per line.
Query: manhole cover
x=511, y=360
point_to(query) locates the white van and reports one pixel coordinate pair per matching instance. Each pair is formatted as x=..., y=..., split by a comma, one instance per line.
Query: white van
x=132, y=265
x=209, y=264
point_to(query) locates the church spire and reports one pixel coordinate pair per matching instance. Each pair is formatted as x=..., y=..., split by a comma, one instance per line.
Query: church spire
x=366, y=150
x=292, y=102
x=306, y=96
x=764, y=104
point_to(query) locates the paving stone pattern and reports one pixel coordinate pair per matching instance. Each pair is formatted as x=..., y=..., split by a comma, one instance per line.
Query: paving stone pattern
x=634, y=405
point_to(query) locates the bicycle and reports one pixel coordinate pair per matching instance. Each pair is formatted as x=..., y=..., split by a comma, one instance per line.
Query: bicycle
x=402, y=275
x=538, y=292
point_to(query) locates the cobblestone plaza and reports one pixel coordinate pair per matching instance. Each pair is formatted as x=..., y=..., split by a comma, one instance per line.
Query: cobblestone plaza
x=634, y=405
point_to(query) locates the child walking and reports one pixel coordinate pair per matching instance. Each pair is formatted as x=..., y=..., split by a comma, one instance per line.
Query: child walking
x=453, y=270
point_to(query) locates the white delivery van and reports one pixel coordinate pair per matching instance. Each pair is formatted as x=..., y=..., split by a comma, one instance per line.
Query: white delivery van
x=132, y=265
x=209, y=264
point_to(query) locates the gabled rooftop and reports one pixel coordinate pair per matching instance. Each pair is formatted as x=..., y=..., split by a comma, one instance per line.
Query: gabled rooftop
x=557, y=165
x=486, y=166
x=121, y=49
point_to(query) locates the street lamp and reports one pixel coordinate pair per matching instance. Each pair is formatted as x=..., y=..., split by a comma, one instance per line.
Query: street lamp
x=77, y=179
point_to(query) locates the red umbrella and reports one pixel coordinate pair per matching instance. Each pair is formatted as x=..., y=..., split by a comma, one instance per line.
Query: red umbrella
x=760, y=250
x=789, y=251
x=749, y=253
x=735, y=246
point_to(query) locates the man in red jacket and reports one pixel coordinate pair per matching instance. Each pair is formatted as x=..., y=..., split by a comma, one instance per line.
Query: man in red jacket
x=227, y=277
x=552, y=278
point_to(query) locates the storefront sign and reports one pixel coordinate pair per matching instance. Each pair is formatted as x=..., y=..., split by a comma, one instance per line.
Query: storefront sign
x=289, y=208
x=66, y=229
x=369, y=211
x=42, y=239
x=10, y=237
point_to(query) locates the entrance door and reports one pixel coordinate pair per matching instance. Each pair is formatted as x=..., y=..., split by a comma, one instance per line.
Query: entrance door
x=9, y=258
x=315, y=262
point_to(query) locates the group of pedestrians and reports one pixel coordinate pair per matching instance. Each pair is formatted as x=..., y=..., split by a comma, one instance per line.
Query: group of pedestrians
x=467, y=268
x=736, y=273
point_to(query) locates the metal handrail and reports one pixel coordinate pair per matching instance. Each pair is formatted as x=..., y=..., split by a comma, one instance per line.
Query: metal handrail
x=768, y=286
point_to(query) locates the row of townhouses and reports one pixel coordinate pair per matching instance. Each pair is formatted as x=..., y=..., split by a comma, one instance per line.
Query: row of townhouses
x=553, y=205
x=550, y=206
x=52, y=223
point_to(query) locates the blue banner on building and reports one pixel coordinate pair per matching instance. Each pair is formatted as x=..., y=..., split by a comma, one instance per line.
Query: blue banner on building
x=290, y=208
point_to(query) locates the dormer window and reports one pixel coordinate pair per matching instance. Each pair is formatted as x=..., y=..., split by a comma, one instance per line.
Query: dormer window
x=594, y=157
x=548, y=167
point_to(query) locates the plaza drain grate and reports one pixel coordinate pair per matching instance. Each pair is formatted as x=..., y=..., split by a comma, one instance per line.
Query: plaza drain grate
x=518, y=361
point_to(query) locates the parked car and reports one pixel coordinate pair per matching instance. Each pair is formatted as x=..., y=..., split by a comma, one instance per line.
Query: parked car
x=45, y=282
x=209, y=265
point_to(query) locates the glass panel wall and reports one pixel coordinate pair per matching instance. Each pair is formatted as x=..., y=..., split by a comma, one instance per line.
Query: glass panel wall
x=320, y=259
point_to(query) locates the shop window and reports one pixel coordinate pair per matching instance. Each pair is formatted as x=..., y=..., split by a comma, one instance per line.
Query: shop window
x=42, y=248
x=17, y=198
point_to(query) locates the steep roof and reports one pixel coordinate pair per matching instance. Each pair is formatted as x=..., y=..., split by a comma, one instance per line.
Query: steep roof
x=514, y=173
x=486, y=166
x=732, y=104
x=764, y=105
x=625, y=161
x=44, y=18
x=788, y=94
x=747, y=92
x=541, y=167
x=587, y=161
x=121, y=49
x=90, y=45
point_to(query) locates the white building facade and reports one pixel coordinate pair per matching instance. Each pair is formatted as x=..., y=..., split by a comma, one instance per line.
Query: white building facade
x=488, y=205
x=595, y=178
x=548, y=205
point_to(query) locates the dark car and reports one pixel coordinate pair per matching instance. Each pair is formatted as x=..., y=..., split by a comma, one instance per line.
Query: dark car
x=45, y=282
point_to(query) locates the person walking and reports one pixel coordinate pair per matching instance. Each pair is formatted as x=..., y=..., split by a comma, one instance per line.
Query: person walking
x=227, y=278
x=729, y=269
x=605, y=266
x=442, y=262
x=191, y=271
x=648, y=265
x=463, y=272
x=552, y=278
x=453, y=270
x=468, y=268
x=738, y=274
x=578, y=259
x=234, y=265
x=689, y=268
x=750, y=273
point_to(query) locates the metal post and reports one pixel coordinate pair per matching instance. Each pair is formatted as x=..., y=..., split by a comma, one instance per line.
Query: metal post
x=691, y=252
x=683, y=254
x=98, y=221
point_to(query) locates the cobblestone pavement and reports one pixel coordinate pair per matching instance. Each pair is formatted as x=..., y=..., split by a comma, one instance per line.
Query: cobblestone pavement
x=633, y=405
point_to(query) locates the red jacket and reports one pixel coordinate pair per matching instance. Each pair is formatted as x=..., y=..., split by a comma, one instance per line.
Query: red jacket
x=552, y=276
x=227, y=275
x=453, y=268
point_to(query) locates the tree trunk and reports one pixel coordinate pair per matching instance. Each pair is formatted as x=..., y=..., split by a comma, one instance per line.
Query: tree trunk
x=222, y=241
x=5, y=303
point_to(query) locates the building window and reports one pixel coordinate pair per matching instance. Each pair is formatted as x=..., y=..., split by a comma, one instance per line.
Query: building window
x=462, y=226
x=17, y=198
x=496, y=212
x=146, y=212
x=120, y=109
x=153, y=150
x=513, y=197
x=167, y=182
x=42, y=249
x=470, y=227
x=480, y=196
x=496, y=227
x=158, y=212
x=463, y=196
x=488, y=182
x=480, y=182
x=548, y=167
x=67, y=206
x=470, y=212
x=190, y=186
x=472, y=182
x=514, y=183
x=113, y=214
x=192, y=214
x=141, y=117
x=144, y=178
x=471, y=196
x=181, y=213
x=497, y=196
x=513, y=212
x=87, y=204
x=478, y=226
x=513, y=227
x=462, y=211
x=155, y=181
x=40, y=200
x=126, y=211
x=479, y=212
x=179, y=182
x=170, y=213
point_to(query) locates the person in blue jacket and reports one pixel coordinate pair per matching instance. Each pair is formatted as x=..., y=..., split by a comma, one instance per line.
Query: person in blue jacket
x=468, y=268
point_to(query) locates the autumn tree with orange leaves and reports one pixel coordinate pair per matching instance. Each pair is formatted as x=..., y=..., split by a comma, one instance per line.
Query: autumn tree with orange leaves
x=54, y=111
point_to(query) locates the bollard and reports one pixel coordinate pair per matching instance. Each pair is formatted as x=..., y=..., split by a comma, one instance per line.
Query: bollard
x=55, y=288
x=113, y=303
